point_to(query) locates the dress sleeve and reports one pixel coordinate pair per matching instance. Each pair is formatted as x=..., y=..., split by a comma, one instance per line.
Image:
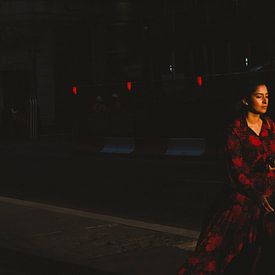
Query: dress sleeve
x=272, y=138
x=238, y=169
x=271, y=174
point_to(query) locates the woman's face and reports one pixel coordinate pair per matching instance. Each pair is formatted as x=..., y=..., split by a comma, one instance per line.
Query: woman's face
x=258, y=101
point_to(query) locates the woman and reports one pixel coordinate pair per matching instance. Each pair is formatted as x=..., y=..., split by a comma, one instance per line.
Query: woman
x=234, y=240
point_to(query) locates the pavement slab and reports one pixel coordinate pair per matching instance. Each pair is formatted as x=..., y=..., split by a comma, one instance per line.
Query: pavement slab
x=58, y=240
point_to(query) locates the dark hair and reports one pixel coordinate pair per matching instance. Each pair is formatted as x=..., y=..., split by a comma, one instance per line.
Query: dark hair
x=251, y=87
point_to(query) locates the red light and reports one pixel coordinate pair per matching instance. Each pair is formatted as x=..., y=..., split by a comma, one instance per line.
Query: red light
x=129, y=86
x=199, y=80
x=74, y=90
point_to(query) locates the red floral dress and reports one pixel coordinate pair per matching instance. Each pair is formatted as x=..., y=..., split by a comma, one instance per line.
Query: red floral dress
x=235, y=226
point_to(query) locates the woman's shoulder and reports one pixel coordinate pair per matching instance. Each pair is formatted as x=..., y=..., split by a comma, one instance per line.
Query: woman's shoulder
x=235, y=124
x=267, y=117
x=233, y=128
x=269, y=121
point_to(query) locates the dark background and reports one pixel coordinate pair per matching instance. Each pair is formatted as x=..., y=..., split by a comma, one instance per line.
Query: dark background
x=161, y=47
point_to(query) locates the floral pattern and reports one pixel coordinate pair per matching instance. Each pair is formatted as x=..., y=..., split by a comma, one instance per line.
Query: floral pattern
x=237, y=221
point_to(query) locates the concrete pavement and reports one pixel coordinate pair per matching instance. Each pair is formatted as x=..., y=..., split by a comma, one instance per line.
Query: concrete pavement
x=35, y=240
x=44, y=239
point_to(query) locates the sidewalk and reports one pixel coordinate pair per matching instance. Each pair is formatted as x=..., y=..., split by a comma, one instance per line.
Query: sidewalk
x=43, y=239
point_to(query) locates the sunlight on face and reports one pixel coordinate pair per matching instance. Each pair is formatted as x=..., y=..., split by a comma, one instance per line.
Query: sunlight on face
x=258, y=101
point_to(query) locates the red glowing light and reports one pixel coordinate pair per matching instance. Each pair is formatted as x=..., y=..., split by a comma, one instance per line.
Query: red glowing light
x=74, y=90
x=129, y=86
x=199, y=80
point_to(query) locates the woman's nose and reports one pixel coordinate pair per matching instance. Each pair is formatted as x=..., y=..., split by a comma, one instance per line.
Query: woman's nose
x=265, y=100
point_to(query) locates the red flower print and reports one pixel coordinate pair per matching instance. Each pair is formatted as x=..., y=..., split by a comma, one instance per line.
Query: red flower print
x=240, y=198
x=211, y=266
x=268, y=191
x=245, y=180
x=231, y=144
x=264, y=133
x=254, y=140
x=259, y=156
x=240, y=247
x=182, y=271
x=229, y=258
x=238, y=162
x=237, y=123
x=236, y=212
x=193, y=261
x=270, y=174
x=213, y=242
x=272, y=146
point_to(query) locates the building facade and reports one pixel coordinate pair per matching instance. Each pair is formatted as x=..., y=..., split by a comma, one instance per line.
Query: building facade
x=157, y=48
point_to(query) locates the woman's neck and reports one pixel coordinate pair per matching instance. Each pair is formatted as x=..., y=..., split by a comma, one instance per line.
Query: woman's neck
x=253, y=118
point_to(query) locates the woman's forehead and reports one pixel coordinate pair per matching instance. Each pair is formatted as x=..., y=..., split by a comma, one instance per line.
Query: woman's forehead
x=261, y=89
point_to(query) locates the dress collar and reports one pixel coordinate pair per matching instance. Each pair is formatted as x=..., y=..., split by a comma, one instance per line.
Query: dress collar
x=244, y=126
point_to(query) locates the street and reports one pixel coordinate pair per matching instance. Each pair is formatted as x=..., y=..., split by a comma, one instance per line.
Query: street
x=171, y=192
